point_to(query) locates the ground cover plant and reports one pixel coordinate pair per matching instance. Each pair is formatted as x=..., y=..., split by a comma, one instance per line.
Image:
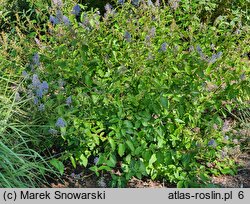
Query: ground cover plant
x=147, y=90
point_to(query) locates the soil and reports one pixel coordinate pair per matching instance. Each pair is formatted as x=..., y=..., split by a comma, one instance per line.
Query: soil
x=241, y=180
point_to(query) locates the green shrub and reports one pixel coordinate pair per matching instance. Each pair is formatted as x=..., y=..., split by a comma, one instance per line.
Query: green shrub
x=144, y=90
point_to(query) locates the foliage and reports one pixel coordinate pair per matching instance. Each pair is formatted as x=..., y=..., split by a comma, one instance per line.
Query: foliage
x=144, y=90
x=21, y=165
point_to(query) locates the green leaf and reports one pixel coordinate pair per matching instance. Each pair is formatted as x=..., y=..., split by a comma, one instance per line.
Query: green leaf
x=58, y=165
x=146, y=155
x=83, y=160
x=164, y=101
x=138, y=175
x=153, y=175
x=187, y=69
x=85, y=48
x=229, y=108
x=112, y=161
x=73, y=161
x=130, y=145
x=138, y=150
x=94, y=98
x=88, y=80
x=128, y=158
x=179, y=120
x=204, y=177
x=144, y=123
x=112, y=143
x=227, y=171
x=107, y=168
x=137, y=124
x=92, y=22
x=128, y=124
x=102, y=159
x=160, y=157
x=180, y=184
x=121, y=149
x=152, y=159
x=208, y=70
x=142, y=168
x=94, y=169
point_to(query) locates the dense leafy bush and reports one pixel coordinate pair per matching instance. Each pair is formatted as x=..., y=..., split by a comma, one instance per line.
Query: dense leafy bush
x=142, y=91
x=207, y=10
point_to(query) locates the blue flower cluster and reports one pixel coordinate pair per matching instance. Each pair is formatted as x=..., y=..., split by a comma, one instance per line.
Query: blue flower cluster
x=35, y=62
x=215, y=57
x=121, y=2
x=53, y=20
x=37, y=89
x=150, y=3
x=76, y=10
x=17, y=96
x=69, y=100
x=53, y=131
x=163, y=47
x=96, y=159
x=199, y=50
x=157, y=3
x=211, y=60
x=41, y=107
x=57, y=3
x=135, y=2
x=36, y=59
x=212, y=143
x=127, y=36
x=60, y=123
x=59, y=18
x=109, y=10
x=25, y=74
x=108, y=7
x=151, y=34
x=174, y=4
x=40, y=88
x=65, y=20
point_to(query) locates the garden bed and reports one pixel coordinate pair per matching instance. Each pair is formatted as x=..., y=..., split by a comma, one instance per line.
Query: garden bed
x=125, y=98
x=78, y=180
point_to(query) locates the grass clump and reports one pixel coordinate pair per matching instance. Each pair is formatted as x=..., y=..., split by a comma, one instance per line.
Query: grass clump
x=20, y=164
x=142, y=91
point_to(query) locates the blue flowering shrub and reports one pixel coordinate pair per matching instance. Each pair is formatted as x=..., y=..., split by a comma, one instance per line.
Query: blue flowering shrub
x=142, y=91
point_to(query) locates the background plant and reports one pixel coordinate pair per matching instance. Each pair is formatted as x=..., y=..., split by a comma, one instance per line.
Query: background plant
x=21, y=165
x=147, y=96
